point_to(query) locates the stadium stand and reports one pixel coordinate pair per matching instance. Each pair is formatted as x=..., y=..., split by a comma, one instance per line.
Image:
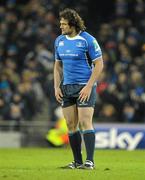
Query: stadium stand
x=27, y=33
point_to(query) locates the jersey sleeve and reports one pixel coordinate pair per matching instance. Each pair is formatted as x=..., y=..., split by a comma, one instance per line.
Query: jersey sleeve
x=94, y=49
x=56, y=54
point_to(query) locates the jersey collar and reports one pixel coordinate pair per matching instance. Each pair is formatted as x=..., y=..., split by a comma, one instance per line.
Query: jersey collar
x=73, y=38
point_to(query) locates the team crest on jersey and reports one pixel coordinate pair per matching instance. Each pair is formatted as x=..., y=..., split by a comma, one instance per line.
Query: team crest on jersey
x=68, y=51
x=61, y=43
x=96, y=46
x=80, y=44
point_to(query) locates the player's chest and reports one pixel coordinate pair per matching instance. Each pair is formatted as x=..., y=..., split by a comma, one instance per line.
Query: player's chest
x=71, y=49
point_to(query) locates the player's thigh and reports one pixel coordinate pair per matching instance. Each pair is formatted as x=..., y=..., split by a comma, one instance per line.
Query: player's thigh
x=85, y=116
x=71, y=115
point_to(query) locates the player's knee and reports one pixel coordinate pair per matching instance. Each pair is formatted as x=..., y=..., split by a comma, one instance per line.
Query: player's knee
x=72, y=126
x=85, y=124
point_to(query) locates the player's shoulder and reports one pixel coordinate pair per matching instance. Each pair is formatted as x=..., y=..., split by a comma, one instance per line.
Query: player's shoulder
x=87, y=35
x=59, y=38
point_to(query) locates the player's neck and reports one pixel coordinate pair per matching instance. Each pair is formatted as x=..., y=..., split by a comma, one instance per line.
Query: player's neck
x=73, y=34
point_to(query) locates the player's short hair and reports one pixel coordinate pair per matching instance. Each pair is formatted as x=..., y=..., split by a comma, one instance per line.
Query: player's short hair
x=73, y=19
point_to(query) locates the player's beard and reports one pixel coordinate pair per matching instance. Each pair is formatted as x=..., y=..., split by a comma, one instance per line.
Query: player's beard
x=68, y=32
x=65, y=33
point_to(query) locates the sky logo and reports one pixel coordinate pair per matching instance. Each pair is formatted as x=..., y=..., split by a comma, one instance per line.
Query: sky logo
x=112, y=139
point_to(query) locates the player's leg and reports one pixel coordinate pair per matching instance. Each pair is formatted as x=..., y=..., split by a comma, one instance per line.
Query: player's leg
x=71, y=116
x=85, y=118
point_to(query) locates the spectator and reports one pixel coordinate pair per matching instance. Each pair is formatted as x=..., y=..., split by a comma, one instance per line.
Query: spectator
x=27, y=33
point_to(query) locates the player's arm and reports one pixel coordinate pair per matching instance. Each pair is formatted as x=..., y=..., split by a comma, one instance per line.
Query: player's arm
x=57, y=80
x=86, y=91
x=98, y=67
x=95, y=54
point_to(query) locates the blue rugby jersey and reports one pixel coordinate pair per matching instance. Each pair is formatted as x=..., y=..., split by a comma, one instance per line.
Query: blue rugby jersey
x=77, y=55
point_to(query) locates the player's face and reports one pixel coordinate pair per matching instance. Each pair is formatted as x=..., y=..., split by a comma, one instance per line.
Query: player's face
x=66, y=29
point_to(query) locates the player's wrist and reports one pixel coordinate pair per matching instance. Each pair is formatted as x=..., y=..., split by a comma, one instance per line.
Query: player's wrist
x=57, y=87
x=90, y=85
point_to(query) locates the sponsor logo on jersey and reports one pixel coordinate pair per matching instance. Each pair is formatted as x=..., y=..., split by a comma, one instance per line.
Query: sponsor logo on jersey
x=66, y=54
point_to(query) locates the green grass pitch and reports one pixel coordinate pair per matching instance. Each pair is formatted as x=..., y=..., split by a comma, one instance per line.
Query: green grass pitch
x=43, y=164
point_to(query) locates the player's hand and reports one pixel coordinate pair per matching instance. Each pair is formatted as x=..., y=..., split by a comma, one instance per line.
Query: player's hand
x=58, y=95
x=85, y=93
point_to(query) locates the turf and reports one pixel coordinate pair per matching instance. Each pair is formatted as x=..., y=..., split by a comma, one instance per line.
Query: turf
x=41, y=163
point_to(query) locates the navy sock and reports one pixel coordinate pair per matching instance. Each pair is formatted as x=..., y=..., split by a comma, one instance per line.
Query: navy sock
x=89, y=140
x=75, y=143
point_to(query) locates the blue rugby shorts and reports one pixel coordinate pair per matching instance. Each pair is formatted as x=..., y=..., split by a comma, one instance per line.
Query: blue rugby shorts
x=71, y=94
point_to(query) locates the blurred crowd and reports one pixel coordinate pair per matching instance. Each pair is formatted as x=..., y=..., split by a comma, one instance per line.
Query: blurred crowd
x=27, y=35
x=122, y=84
